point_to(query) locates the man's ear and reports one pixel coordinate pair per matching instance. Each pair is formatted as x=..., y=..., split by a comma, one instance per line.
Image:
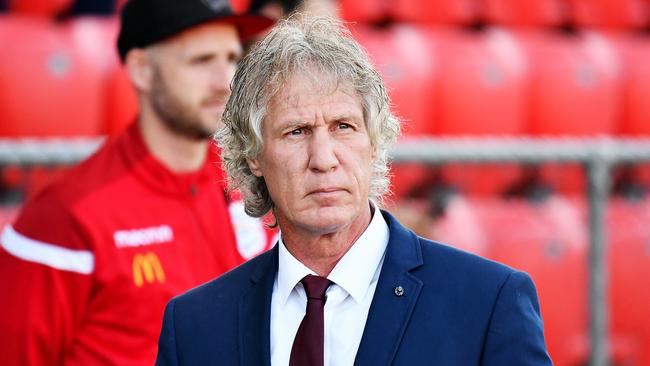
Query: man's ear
x=140, y=68
x=254, y=166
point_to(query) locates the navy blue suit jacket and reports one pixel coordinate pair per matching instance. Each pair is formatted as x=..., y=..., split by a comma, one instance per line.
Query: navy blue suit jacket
x=457, y=309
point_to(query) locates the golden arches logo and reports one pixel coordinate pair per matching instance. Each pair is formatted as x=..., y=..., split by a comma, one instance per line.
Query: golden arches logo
x=147, y=268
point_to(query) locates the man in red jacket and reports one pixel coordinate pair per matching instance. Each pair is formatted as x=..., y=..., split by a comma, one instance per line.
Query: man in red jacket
x=86, y=269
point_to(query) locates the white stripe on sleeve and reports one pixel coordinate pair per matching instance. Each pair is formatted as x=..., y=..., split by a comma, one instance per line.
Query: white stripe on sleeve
x=80, y=261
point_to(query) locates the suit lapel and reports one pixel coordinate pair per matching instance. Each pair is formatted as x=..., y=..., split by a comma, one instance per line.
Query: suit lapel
x=255, y=313
x=391, y=307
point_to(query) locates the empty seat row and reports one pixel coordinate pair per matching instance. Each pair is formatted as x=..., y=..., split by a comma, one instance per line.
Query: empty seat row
x=498, y=82
x=452, y=82
x=442, y=81
x=527, y=13
x=64, y=79
x=584, y=13
x=61, y=79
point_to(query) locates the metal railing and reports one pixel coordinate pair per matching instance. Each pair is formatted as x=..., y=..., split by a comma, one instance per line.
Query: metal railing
x=597, y=155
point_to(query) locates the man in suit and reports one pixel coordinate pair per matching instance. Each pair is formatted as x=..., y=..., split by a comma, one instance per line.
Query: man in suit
x=307, y=130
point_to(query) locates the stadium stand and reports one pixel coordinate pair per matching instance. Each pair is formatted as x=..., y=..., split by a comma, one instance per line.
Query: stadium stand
x=47, y=87
x=458, y=225
x=453, y=68
x=575, y=85
x=483, y=84
x=435, y=11
x=363, y=11
x=575, y=91
x=629, y=266
x=95, y=37
x=547, y=240
x=526, y=13
x=483, y=92
x=240, y=5
x=121, y=101
x=421, y=12
x=635, y=52
x=611, y=13
x=405, y=56
x=47, y=8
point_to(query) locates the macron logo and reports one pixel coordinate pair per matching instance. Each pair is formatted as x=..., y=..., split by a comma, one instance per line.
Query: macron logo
x=141, y=237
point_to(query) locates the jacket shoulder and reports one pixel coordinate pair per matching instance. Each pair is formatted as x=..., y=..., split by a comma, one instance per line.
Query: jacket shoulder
x=230, y=285
x=452, y=259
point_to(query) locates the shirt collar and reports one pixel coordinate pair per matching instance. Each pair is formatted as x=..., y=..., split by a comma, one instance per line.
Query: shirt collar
x=355, y=270
x=154, y=173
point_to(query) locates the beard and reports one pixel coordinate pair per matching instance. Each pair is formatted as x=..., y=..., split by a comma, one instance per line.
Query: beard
x=177, y=115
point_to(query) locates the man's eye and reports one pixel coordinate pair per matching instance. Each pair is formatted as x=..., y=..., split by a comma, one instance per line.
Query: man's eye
x=203, y=59
x=296, y=132
x=344, y=126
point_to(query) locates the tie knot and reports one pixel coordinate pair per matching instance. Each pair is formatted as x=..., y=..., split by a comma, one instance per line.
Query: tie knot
x=315, y=286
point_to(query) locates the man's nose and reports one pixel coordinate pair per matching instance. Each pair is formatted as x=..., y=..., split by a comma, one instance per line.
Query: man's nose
x=322, y=151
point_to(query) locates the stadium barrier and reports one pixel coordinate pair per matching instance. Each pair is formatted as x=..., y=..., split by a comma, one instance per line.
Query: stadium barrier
x=598, y=155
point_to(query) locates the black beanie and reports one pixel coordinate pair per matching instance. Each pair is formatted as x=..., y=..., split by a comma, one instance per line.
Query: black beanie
x=145, y=22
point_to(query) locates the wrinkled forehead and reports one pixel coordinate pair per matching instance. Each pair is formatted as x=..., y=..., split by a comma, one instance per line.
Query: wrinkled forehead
x=288, y=89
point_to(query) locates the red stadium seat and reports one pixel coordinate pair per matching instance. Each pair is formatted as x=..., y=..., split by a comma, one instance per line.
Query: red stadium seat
x=94, y=39
x=47, y=87
x=575, y=86
x=483, y=91
x=611, y=13
x=629, y=275
x=48, y=8
x=239, y=6
x=575, y=91
x=121, y=101
x=460, y=227
x=435, y=11
x=97, y=37
x=526, y=13
x=405, y=56
x=483, y=84
x=364, y=11
x=635, y=51
x=547, y=240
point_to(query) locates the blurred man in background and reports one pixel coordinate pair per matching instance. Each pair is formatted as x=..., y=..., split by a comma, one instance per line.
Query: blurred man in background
x=89, y=264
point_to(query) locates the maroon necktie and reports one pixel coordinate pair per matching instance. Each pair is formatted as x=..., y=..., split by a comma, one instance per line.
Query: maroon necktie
x=307, y=347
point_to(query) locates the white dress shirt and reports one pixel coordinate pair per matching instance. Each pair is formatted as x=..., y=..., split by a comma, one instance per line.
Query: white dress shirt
x=348, y=299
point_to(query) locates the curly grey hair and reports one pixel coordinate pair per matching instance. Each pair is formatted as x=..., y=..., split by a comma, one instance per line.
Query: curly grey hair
x=299, y=45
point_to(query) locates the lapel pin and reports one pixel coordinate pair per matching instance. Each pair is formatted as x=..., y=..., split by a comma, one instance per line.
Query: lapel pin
x=399, y=291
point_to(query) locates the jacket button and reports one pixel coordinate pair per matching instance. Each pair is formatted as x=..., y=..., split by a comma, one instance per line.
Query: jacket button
x=399, y=291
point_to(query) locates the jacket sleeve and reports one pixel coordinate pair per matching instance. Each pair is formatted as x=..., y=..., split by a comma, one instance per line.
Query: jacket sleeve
x=167, y=355
x=45, y=286
x=516, y=332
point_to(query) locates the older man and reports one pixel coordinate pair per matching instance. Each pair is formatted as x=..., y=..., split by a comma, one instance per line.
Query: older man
x=307, y=130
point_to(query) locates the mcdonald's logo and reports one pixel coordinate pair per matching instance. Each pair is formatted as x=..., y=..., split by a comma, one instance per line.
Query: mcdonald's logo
x=147, y=268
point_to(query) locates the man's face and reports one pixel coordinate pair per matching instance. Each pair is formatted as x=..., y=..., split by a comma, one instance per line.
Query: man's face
x=317, y=156
x=191, y=78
